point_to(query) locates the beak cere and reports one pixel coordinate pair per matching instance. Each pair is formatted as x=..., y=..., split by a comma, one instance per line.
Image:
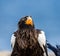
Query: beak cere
x=29, y=21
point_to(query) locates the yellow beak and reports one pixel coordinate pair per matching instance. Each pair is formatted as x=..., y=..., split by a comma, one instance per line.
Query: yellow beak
x=29, y=21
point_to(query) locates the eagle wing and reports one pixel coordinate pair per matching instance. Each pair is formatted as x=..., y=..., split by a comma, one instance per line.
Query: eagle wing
x=13, y=40
x=42, y=39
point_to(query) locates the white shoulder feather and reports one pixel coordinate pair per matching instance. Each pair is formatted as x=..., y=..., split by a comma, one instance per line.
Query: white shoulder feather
x=13, y=40
x=42, y=39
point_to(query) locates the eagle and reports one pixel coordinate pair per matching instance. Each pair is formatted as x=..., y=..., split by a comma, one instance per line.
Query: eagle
x=28, y=41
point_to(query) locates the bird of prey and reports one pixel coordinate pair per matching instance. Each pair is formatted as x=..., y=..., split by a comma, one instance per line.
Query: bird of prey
x=28, y=41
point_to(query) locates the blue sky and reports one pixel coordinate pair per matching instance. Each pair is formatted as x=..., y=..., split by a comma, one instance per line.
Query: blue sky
x=45, y=13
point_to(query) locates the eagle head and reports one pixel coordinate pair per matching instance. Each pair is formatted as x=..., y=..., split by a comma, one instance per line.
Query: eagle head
x=26, y=22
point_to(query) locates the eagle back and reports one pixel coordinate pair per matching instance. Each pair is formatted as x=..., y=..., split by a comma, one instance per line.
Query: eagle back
x=27, y=43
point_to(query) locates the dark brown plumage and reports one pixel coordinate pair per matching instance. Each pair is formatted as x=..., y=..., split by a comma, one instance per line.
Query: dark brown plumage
x=26, y=43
